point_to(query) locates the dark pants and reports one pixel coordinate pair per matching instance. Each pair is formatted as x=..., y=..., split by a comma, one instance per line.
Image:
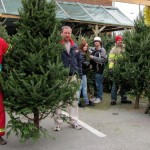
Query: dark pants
x=122, y=93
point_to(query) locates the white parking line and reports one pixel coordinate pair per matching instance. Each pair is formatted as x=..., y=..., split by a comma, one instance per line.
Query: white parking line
x=91, y=129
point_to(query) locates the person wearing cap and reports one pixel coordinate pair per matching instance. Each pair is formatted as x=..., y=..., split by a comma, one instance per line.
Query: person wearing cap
x=115, y=54
x=97, y=59
x=3, y=48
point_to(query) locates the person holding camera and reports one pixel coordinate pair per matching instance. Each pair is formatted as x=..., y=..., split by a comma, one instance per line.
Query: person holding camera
x=98, y=59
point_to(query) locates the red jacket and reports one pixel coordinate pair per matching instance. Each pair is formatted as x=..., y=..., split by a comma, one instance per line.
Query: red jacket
x=3, y=49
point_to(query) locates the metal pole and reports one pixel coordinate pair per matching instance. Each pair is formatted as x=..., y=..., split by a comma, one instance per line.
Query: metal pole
x=3, y=5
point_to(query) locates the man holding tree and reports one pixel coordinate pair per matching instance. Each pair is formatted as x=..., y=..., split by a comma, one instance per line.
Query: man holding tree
x=3, y=49
x=115, y=54
x=71, y=59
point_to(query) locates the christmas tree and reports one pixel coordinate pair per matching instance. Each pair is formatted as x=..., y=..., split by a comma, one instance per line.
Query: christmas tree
x=138, y=64
x=133, y=71
x=34, y=78
x=3, y=33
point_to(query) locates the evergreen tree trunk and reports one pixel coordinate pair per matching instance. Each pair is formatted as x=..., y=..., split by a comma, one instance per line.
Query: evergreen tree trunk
x=137, y=101
x=36, y=117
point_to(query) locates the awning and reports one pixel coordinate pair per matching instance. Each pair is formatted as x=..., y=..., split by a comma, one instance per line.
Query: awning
x=109, y=18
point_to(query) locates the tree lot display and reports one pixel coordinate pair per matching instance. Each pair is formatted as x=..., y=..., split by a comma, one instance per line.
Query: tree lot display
x=34, y=78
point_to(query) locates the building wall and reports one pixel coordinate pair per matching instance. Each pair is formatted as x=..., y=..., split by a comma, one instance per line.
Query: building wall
x=93, y=2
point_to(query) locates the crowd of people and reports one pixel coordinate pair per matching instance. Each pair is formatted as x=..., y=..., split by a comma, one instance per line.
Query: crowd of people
x=80, y=61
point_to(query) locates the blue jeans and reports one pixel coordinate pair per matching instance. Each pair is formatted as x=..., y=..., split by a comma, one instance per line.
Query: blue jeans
x=114, y=93
x=99, y=85
x=83, y=88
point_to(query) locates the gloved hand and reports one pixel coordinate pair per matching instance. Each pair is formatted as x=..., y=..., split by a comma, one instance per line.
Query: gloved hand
x=86, y=63
x=0, y=67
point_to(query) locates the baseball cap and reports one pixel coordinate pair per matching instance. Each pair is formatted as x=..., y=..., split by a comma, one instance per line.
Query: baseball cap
x=97, y=39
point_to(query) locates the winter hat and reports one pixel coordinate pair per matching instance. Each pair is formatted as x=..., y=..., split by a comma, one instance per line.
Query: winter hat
x=118, y=37
x=97, y=39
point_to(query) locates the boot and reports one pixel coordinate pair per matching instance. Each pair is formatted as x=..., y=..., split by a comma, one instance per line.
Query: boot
x=126, y=102
x=113, y=102
x=90, y=103
x=2, y=141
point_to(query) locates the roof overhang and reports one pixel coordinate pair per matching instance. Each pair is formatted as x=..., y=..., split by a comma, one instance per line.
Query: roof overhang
x=139, y=2
x=9, y=16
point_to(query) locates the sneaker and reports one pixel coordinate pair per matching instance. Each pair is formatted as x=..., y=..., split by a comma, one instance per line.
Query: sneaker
x=93, y=99
x=76, y=126
x=113, y=102
x=126, y=102
x=98, y=100
x=2, y=141
x=57, y=128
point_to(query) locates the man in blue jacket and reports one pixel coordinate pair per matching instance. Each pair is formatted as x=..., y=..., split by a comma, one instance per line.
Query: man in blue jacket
x=71, y=59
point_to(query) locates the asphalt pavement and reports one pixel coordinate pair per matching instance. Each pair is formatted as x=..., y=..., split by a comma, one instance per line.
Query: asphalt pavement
x=124, y=127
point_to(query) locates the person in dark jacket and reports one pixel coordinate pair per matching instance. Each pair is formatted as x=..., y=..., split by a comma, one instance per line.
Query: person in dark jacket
x=98, y=59
x=3, y=49
x=85, y=68
x=71, y=59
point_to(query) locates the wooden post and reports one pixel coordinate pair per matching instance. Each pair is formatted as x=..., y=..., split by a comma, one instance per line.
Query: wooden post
x=97, y=31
